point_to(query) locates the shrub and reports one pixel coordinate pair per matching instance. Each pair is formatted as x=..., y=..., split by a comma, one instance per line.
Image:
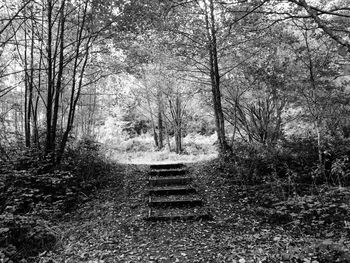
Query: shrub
x=256, y=163
x=88, y=164
x=310, y=213
x=196, y=144
x=142, y=143
x=340, y=173
x=24, y=236
x=34, y=192
x=23, y=191
x=339, y=150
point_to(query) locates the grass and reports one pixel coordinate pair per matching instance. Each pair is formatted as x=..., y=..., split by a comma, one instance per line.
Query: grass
x=159, y=157
x=141, y=150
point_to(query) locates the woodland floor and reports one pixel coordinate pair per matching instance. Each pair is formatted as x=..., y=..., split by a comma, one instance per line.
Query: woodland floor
x=110, y=228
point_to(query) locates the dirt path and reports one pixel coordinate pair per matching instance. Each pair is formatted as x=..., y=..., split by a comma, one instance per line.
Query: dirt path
x=110, y=228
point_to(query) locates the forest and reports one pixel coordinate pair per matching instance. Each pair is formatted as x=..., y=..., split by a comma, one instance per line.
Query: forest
x=252, y=96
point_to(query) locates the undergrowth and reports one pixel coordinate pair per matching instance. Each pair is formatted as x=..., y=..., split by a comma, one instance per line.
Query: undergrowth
x=34, y=194
x=141, y=150
x=282, y=186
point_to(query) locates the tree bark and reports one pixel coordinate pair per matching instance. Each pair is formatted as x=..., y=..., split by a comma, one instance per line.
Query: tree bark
x=160, y=129
x=321, y=166
x=215, y=76
x=26, y=92
x=58, y=88
x=160, y=122
x=178, y=128
x=31, y=117
x=167, y=134
x=82, y=54
x=155, y=135
x=322, y=25
x=50, y=84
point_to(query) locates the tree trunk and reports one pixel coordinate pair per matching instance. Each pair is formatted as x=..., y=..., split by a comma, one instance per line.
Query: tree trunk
x=167, y=135
x=320, y=150
x=91, y=115
x=76, y=87
x=26, y=92
x=35, y=122
x=234, y=121
x=160, y=129
x=178, y=127
x=160, y=122
x=31, y=117
x=50, y=84
x=58, y=87
x=155, y=135
x=215, y=77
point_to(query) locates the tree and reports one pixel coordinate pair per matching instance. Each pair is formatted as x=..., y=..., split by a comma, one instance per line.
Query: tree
x=9, y=14
x=315, y=59
x=54, y=42
x=332, y=17
x=258, y=91
x=178, y=95
x=217, y=36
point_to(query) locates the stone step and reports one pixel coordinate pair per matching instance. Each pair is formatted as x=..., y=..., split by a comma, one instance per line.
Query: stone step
x=167, y=166
x=167, y=172
x=189, y=217
x=175, y=201
x=171, y=190
x=178, y=214
x=170, y=180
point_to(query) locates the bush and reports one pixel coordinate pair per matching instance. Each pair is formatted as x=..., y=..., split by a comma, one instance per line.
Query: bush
x=33, y=192
x=292, y=163
x=254, y=163
x=340, y=173
x=23, y=191
x=142, y=143
x=87, y=163
x=23, y=237
x=339, y=150
x=135, y=128
x=195, y=144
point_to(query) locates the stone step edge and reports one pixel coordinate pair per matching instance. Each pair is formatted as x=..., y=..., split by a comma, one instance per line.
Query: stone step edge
x=170, y=188
x=169, y=170
x=195, y=199
x=178, y=203
x=165, y=178
x=162, y=166
x=165, y=173
x=175, y=192
x=188, y=217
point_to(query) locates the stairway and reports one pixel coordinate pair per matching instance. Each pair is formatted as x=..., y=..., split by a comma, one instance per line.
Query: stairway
x=172, y=196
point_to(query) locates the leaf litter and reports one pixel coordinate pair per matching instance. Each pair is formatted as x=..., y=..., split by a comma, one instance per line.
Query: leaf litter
x=111, y=228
